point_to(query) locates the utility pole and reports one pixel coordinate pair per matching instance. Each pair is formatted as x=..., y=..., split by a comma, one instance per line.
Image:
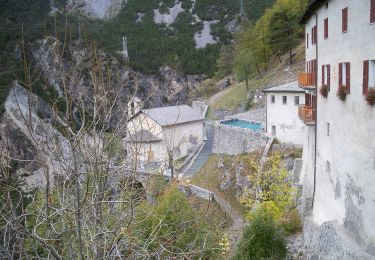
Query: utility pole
x=241, y=10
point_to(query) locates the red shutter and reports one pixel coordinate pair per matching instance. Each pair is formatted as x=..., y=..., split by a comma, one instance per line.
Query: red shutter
x=372, y=12
x=323, y=75
x=345, y=19
x=326, y=28
x=340, y=74
x=328, y=76
x=312, y=36
x=315, y=35
x=347, y=77
x=365, y=76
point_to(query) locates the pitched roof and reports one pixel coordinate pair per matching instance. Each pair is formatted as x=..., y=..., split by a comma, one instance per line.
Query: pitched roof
x=142, y=136
x=288, y=87
x=173, y=115
x=313, y=5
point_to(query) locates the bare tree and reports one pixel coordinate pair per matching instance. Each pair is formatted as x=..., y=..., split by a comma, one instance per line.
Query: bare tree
x=86, y=206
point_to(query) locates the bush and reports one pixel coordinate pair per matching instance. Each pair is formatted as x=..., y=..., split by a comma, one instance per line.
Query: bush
x=324, y=90
x=341, y=93
x=370, y=97
x=249, y=104
x=262, y=239
x=291, y=222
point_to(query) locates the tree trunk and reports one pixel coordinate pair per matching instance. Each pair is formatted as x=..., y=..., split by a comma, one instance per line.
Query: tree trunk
x=170, y=159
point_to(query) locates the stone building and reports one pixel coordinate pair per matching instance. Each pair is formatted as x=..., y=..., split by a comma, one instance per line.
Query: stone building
x=339, y=147
x=282, y=120
x=153, y=133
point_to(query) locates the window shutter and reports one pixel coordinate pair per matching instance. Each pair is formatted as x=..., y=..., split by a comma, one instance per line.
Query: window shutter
x=328, y=76
x=345, y=19
x=315, y=35
x=340, y=74
x=326, y=28
x=365, y=76
x=372, y=12
x=312, y=36
x=322, y=74
x=347, y=77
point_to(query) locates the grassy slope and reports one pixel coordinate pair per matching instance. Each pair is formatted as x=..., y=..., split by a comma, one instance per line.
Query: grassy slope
x=210, y=177
x=235, y=96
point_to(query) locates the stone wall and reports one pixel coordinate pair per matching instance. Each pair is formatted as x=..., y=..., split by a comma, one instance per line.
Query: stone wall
x=233, y=140
x=199, y=106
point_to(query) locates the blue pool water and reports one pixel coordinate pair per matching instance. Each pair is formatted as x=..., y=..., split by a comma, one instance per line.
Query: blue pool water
x=244, y=124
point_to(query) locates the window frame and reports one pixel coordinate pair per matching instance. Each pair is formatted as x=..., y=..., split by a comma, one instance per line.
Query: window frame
x=285, y=100
x=273, y=99
x=296, y=100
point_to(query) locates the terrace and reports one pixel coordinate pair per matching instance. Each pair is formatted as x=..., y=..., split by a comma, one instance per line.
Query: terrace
x=307, y=114
x=307, y=80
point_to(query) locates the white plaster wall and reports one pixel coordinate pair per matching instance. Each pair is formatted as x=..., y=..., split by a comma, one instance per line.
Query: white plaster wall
x=346, y=192
x=143, y=122
x=141, y=150
x=289, y=128
x=183, y=136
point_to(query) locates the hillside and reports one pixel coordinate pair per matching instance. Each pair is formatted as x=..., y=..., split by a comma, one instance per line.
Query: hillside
x=159, y=33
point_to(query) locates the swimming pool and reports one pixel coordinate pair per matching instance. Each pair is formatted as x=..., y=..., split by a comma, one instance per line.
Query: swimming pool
x=244, y=124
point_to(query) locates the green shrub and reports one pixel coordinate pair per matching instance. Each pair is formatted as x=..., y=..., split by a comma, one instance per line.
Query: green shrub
x=262, y=239
x=291, y=222
x=249, y=104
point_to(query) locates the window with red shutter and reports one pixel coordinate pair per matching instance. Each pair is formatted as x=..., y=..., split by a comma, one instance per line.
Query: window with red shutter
x=326, y=28
x=328, y=76
x=345, y=19
x=315, y=35
x=347, y=74
x=340, y=74
x=365, y=77
x=312, y=36
x=372, y=11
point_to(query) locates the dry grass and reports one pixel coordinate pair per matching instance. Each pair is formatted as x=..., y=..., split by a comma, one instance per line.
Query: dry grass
x=214, y=216
x=210, y=177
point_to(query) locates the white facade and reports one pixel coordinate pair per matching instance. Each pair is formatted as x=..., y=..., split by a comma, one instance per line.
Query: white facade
x=345, y=130
x=154, y=146
x=282, y=118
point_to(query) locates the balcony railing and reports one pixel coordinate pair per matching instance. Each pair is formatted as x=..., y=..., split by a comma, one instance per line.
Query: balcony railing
x=307, y=114
x=306, y=80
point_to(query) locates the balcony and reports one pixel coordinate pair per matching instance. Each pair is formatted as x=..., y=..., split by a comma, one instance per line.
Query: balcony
x=307, y=80
x=307, y=114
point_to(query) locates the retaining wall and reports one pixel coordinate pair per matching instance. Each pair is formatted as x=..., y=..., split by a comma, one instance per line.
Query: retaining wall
x=234, y=140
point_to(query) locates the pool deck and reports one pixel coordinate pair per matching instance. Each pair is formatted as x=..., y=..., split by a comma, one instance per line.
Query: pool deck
x=258, y=115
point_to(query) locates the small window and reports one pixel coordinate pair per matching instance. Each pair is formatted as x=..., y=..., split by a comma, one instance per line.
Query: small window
x=273, y=130
x=326, y=28
x=372, y=11
x=272, y=99
x=344, y=18
x=307, y=40
x=285, y=100
x=328, y=128
x=296, y=100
